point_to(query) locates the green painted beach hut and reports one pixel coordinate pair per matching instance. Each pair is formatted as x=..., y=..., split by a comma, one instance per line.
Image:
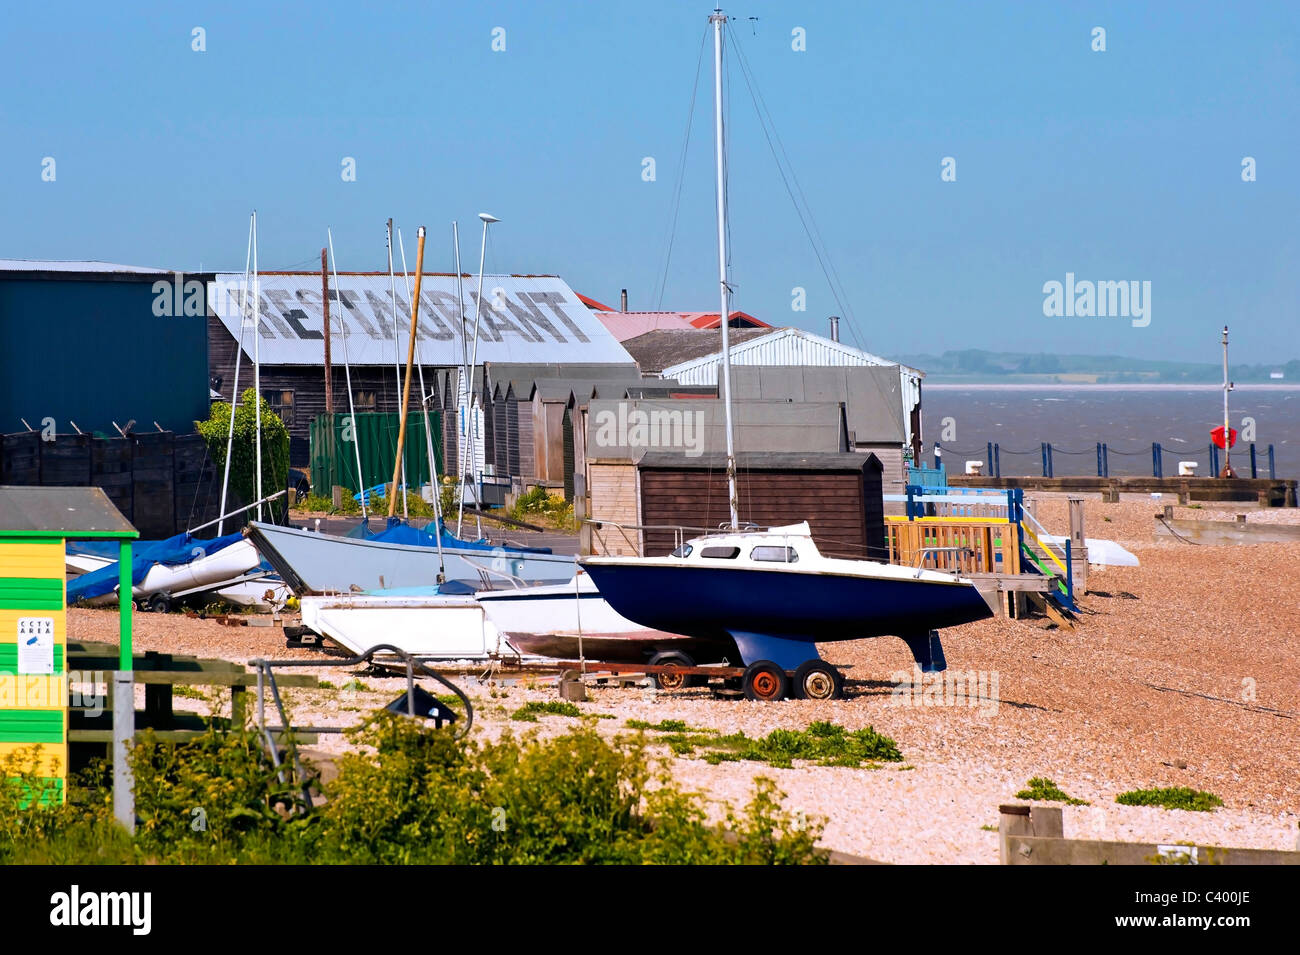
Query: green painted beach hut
x=35, y=525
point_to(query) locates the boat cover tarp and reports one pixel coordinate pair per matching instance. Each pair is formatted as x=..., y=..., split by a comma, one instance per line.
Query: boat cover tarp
x=180, y=549
x=401, y=533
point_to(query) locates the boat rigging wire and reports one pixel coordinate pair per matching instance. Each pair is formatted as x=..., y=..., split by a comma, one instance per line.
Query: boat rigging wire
x=681, y=175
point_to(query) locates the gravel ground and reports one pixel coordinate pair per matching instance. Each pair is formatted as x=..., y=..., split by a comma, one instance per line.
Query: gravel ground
x=1155, y=687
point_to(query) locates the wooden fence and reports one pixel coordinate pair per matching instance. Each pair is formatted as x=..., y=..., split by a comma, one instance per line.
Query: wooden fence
x=162, y=482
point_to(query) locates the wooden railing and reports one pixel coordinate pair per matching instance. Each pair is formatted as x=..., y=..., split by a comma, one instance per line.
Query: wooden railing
x=991, y=543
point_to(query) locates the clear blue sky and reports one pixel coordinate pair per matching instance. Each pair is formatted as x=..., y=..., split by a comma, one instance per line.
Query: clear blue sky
x=1117, y=165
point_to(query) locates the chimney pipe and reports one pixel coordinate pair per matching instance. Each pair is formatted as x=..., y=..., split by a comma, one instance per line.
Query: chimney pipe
x=623, y=301
x=835, y=328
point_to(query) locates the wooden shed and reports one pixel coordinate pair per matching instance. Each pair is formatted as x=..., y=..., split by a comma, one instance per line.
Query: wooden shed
x=838, y=493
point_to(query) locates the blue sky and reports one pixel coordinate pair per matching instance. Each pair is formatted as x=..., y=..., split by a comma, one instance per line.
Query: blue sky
x=1115, y=165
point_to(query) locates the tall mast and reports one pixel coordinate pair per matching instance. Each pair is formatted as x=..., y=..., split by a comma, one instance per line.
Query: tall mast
x=257, y=363
x=234, y=388
x=347, y=371
x=397, y=369
x=718, y=18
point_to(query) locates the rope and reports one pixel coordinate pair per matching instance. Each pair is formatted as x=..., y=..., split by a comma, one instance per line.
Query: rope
x=1188, y=540
x=681, y=173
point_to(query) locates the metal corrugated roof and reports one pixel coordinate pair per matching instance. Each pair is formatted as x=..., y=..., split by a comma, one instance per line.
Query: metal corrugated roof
x=872, y=394
x=60, y=265
x=70, y=509
x=533, y=319
x=625, y=325
x=781, y=346
x=656, y=351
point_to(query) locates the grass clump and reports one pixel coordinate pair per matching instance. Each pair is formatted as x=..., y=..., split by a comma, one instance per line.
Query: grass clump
x=540, y=506
x=1177, y=797
x=1043, y=789
x=665, y=726
x=823, y=743
x=529, y=712
x=355, y=685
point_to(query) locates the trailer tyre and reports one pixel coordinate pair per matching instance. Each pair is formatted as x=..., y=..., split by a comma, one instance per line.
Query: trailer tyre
x=670, y=679
x=818, y=680
x=764, y=680
x=159, y=603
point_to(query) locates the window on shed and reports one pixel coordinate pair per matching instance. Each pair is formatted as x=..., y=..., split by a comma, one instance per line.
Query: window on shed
x=784, y=555
x=281, y=402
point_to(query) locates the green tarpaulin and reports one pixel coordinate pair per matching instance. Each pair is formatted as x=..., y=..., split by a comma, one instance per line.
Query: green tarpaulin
x=334, y=458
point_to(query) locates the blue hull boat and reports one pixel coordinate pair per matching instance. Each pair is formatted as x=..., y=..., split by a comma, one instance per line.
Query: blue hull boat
x=776, y=596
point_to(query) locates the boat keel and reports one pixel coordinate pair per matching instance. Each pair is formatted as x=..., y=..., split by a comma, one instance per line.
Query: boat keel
x=927, y=650
x=785, y=652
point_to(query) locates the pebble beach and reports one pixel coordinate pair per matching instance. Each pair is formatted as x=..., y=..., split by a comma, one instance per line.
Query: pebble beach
x=1180, y=672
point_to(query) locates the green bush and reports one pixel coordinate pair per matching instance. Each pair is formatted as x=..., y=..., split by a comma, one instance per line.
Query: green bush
x=1177, y=797
x=243, y=450
x=409, y=794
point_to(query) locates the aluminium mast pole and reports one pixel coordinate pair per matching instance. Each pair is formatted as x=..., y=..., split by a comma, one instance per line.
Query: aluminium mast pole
x=397, y=370
x=257, y=362
x=347, y=371
x=463, y=384
x=428, y=431
x=234, y=387
x=410, y=358
x=718, y=18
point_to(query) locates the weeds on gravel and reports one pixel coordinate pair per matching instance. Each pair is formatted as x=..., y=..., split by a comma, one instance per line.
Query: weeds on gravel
x=823, y=743
x=528, y=713
x=1177, y=797
x=1045, y=790
x=665, y=726
x=355, y=685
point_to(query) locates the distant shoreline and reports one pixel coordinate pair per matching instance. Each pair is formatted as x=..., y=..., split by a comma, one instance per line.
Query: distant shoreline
x=1109, y=386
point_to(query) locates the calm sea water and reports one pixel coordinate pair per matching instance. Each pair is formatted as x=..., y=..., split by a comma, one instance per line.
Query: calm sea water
x=1127, y=418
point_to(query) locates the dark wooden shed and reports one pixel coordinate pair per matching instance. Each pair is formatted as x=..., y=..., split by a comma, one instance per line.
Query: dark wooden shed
x=838, y=494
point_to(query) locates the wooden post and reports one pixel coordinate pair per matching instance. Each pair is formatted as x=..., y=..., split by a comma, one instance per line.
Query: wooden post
x=1077, y=542
x=325, y=299
x=410, y=359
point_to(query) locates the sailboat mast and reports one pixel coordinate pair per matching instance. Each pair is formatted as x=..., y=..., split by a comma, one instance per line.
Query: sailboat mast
x=257, y=363
x=718, y=18
x=234, y=387
x=397, y=370
x=410, y=359
x=347, y=372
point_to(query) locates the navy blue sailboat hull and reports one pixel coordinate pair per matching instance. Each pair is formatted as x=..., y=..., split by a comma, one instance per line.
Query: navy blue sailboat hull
x=822, y=607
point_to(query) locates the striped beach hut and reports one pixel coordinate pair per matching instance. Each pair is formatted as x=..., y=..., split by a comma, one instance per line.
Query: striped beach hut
x=35, y=525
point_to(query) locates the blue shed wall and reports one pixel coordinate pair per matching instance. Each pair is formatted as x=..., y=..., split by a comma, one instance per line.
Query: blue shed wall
x=94, y=352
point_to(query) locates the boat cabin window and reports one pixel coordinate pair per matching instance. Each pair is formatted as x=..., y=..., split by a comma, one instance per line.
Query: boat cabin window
x=683, y=551
x=723, y=553
x=785, y=555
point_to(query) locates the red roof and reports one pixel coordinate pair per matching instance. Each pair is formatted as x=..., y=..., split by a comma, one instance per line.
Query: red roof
x=592, y=304
x=711, y=320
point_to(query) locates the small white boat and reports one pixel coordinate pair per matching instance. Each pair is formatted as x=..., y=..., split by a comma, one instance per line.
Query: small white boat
x=429, y=625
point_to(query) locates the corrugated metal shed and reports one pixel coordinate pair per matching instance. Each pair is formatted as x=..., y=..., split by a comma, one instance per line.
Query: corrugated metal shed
x=65, y=266
x=525, y=318
x=871, y=394
x=624, y=430
x=792, y=346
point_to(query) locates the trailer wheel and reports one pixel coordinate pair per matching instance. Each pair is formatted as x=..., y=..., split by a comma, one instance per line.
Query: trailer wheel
x=671, y=679
x=764, y=680
x=160, y=602
x=818, y=680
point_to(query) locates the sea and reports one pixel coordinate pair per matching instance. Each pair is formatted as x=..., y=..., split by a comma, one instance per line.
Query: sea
x=964, y=418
